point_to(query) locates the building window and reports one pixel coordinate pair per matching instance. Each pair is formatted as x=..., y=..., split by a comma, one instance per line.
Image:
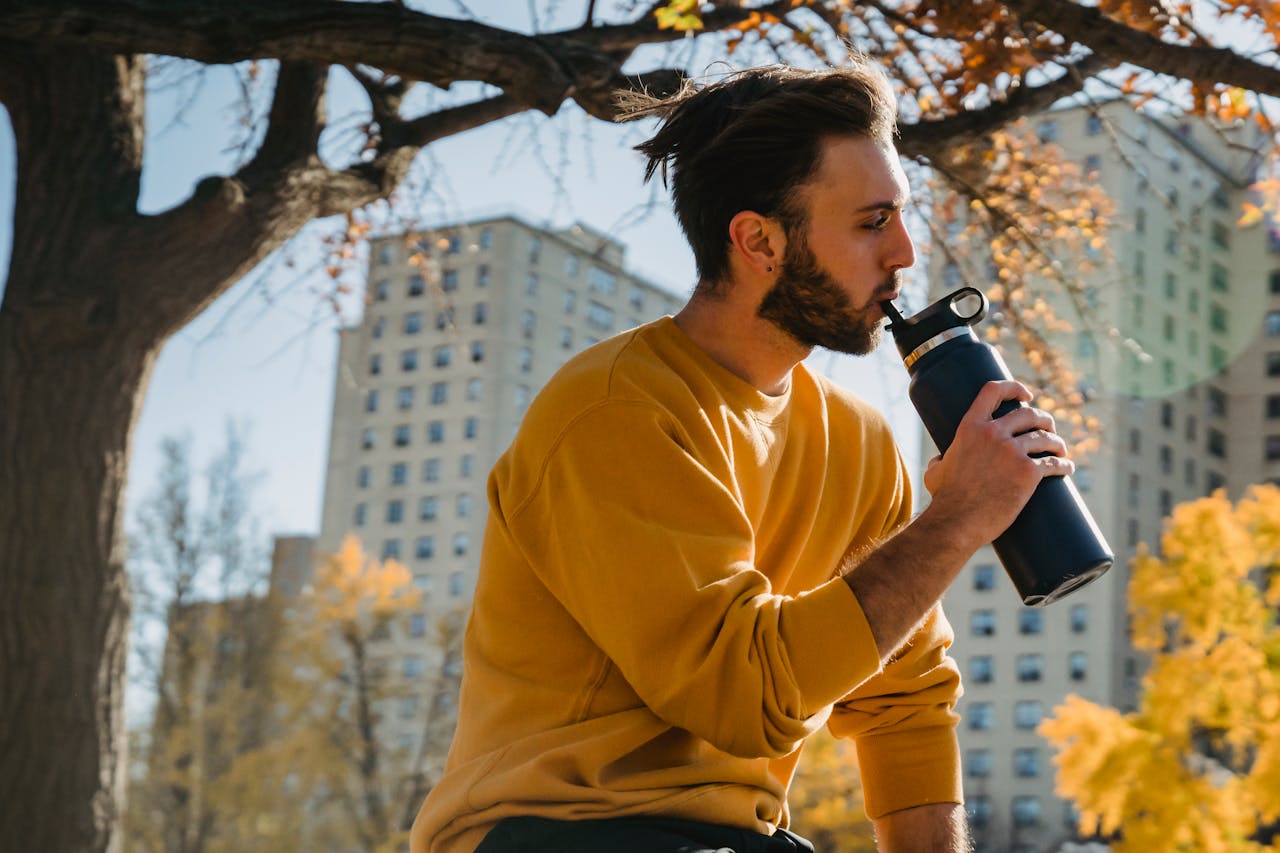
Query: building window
x=1220, y=236
x=455, y=584
x=982, y=623
x=486, y=238
x=385, y=254
x=431, y=470
x=424, y=548
x=474, y=388
x=375, y=364
x=978, y=811
x=1272, y=449
x=409, y=360
x=977, y=763
x=412, y=666
x=1273, y=364
x=1026, y=762
x=1026, y=811
x=360, y=515
x=566, y=340
x=1217, y=443
x=391, y=549
x=404, y=398
x=417, y=285
x=1166, y=459
x=1273, y=406
x=1077, y=666
x=443, y=356
x=1273, y=324
x=571, y=266
x=1030, y=622
x=600, y=316
x=984, y=576
x=435, y=432
x=399, y=474
x=482, y=275
x=449, y=281
x=636, y=297
x=465, y=465
x=1135, y=441
x=461, y=542
x=379, y=327
x=364, y=477
x=531, y=284
x=427, y=509
x=366, y=439
x=981, y=716
x=455, y=244
x=477, y=351
x=439, y=393
x=371, y=400
x=413, y=322
x=1026, y=715
x=381, y=291
x=470, y=428
x=1047, y=131
x=481, y=313
x=417, y=625
x=401, y=435
x=395, y=512
x=1093, y=125
x=1166, y=414
x=1030, y=667
x=981, y=669
x=535, y=249
x=444, y=319
x=1216, y=402
x=1092, y=165
x=528, y=323
x=570, y=301
x=602, y=281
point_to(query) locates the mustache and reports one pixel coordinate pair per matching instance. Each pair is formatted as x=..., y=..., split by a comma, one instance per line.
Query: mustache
x=892, y=285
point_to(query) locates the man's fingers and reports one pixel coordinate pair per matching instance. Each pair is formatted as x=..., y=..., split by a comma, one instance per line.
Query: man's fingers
x=994, y=393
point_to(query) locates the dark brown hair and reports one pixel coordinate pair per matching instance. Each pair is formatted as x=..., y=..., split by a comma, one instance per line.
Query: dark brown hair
x=750, y=140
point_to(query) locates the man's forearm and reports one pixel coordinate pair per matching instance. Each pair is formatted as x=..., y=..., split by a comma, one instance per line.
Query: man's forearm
x=898, y=584
x=937, y=828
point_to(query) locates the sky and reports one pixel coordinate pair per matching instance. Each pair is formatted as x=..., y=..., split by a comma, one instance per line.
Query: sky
x=263, y=355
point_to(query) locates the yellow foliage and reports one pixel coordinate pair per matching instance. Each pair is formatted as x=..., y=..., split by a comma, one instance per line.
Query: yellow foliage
x=1197, y=766
x=352, y=589
x=825, y=797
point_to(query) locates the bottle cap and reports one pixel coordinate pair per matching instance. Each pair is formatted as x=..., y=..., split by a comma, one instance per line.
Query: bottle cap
x=956, y=310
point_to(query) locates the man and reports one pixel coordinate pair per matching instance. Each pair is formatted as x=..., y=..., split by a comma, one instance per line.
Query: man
x=698, y=552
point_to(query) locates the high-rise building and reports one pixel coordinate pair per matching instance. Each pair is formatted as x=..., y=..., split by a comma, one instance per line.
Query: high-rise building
x=461, y=329
x=1187, y=390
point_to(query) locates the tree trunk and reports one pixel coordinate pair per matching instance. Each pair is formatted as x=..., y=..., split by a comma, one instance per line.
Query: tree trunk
x=67, y=415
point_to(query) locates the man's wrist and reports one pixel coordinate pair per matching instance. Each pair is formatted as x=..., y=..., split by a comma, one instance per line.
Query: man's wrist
x=933, y=828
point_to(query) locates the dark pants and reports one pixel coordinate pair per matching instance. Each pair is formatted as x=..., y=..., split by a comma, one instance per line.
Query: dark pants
x=633, y=835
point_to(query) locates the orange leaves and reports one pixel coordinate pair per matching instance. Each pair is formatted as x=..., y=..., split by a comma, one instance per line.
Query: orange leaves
x=1208, y=724
x=352, y=589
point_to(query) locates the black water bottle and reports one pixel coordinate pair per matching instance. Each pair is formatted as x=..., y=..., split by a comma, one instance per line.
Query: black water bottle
x=1054, y=546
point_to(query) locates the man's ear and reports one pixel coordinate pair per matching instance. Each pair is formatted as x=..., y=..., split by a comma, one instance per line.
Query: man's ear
x=759, y=241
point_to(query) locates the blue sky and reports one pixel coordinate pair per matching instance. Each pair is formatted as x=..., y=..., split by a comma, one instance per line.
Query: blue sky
x=264, y=353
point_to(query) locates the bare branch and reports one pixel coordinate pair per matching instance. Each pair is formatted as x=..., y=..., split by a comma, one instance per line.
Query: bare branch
x=1088, y=26
x=296, y=118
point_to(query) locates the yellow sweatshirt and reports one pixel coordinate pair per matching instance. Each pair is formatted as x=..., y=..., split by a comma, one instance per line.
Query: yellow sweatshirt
x=657, y=624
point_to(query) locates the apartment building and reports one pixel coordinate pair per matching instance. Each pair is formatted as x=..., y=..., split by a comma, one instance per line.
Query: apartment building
x=1187, y=389
x=462, y=327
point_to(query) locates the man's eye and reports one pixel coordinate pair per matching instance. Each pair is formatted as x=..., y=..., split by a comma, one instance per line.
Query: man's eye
x=880, y=223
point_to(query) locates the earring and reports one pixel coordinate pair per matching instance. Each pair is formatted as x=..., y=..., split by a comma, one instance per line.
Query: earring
x=768, y=269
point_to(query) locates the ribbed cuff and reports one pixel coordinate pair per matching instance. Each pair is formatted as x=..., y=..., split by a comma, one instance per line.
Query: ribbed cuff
x=901, y=770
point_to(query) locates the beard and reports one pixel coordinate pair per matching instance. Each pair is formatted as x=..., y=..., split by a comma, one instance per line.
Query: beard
x=807, y=303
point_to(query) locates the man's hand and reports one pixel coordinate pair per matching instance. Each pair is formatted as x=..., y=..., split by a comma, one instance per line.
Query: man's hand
x=988, y=474
x=938, y=828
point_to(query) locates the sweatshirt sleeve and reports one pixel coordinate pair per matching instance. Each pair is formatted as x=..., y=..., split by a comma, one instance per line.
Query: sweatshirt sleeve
x=652, y=555
x=903, y=720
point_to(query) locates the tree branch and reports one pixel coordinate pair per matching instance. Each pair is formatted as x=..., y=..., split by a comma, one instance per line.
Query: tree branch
x=930, y=138
x=297, y=116
x=1088, y=26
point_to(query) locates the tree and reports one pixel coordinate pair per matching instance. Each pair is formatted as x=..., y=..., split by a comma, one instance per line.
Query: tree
x=1208, y=722
x=332, y=776
x=202, y=642
x=95, y=288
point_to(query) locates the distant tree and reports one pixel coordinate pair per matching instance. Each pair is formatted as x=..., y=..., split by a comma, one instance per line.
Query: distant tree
x=1197, y=766
x=202, y=641
x=95, y=287
x=331, y=776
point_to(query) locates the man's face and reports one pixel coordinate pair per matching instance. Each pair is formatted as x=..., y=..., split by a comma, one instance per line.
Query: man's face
x=846, y=257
